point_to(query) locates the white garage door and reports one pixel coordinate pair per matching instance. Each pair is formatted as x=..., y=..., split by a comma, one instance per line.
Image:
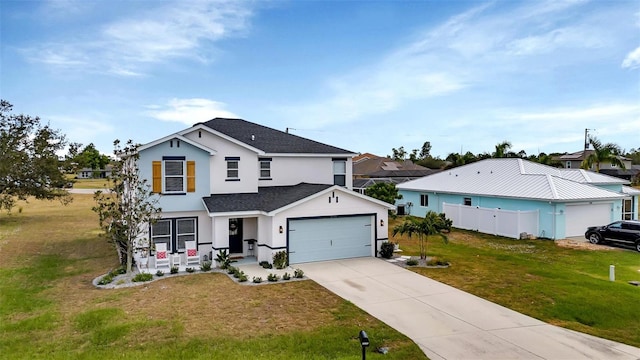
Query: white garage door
x=579, y=217
x=329, y=238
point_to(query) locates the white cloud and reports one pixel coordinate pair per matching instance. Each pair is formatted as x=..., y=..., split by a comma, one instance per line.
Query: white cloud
x=190, y=111
x=632, y=60
x=81, y=129
x=179, y=29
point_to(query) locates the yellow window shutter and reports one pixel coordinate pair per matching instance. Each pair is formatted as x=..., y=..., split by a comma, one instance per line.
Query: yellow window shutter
x=157, y=177
x=191, y=176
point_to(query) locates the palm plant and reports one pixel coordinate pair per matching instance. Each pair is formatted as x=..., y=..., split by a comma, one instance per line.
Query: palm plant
x=502, y=149
x=602, y=153
x=431, y=224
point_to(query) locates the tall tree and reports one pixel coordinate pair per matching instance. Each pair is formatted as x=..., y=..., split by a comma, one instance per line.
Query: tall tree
x=29, y=165
x=126, y=211
x=502, y=149
x=602, y=153
x=432, y=224
x=399, y=154
x=425, y=151
x=387, y=192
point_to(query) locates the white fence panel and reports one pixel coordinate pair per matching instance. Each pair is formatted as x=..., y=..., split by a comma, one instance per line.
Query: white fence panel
x=506, y=223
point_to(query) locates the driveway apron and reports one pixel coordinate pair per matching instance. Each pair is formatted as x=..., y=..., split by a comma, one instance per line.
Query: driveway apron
x=448, y=323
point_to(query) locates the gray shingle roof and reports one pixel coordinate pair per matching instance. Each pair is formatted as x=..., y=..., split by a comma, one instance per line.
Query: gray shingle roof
x=270, y=140
x=266, y=199
x=517, y=178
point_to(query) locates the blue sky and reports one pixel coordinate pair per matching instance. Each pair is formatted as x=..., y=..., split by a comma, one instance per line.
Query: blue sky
x=365, y=76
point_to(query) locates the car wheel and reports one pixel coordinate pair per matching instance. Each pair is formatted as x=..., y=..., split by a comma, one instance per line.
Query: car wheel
x=638, y=245
x=594, y=238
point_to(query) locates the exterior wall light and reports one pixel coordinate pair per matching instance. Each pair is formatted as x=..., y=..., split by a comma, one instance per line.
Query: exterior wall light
x=381, y=222
x=280, y=229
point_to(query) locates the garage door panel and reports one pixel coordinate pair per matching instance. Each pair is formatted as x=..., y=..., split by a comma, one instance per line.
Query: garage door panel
x=329, y=238
x=579, y=217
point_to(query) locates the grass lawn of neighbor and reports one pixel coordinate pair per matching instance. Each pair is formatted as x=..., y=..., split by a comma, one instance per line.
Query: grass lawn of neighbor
x=564, y=286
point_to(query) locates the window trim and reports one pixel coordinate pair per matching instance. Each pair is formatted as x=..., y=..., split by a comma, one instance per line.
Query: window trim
x=336, y=175
x=262, y=161
x=232, y=160
x=424, y=197
x=568, y=165
x=172, y=245
x=467, y=201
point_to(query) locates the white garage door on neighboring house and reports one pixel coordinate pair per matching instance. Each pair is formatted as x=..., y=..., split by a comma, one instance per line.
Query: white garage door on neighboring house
x=579, y=217
x=330, y=238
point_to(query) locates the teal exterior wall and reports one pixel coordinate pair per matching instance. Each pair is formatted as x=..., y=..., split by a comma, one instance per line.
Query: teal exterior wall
x=551, y=214
x=190, y=201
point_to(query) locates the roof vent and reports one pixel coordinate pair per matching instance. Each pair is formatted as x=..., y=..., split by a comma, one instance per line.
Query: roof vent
x=253, y=137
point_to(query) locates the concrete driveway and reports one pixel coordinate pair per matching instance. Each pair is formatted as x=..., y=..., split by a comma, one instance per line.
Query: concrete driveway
x=448, y=323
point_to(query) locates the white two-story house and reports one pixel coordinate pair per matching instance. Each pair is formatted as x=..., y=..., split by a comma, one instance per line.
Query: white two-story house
x=230, y=184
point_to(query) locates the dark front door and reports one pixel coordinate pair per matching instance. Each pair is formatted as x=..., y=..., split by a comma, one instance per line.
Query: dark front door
x=235, y=236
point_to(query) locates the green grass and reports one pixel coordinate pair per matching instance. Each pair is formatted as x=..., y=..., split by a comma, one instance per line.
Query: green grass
x=91, y=184
x=563, y=286
x=50, y=310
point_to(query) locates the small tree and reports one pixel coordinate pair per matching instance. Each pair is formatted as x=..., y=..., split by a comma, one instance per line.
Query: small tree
x=602, y=153
x=387, y=192
x=29, y=165
x=423, y=228
x=126, y=211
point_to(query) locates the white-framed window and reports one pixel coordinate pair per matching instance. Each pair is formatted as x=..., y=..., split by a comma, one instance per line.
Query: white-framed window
x=161, y=233
x=265, y=169
x=568, y=165
x=174, y=232
x=424, y=200
x=185, y=231
x=467, y=201
x=174, y=176
x=340, y=172
x=233, y=165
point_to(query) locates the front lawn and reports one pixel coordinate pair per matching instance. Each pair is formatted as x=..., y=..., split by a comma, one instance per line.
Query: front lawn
x=50, y=310
x=563, y=286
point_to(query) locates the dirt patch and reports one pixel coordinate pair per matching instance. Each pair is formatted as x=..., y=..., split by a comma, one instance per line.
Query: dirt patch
x=583, y=245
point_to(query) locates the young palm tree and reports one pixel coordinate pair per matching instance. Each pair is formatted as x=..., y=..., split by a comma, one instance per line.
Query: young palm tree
x=431, y=224
x=602, y=153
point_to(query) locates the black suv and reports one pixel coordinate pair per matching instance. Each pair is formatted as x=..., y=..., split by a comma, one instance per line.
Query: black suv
x=625, y=232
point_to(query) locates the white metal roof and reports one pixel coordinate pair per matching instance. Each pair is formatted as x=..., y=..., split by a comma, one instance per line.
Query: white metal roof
x=517, y=178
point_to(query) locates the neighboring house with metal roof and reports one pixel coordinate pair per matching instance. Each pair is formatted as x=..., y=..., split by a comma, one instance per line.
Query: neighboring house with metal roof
x=230, y=184
x=512, y=196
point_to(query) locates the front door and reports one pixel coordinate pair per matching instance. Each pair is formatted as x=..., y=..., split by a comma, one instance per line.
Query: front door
x=235, y=236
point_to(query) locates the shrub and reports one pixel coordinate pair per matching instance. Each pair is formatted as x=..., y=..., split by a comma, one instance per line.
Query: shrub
x=142, y=277
x=222, y=258
x=159, y=273
x=174, y=269
x=434, y=261
x=257, y=279
x=242, y=278
x=266, y=265
x=273, y=277
x=412, y=262
x=231, y=269
x=190, y=269
x=298, y=274
x=107, y=279
x=120, y=270
x=280, y=260
x=286, y=276
x=238, y=274
x=205, y=266
x=386, y=250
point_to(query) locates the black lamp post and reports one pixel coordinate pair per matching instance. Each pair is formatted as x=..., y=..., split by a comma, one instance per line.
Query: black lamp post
x=364, y=342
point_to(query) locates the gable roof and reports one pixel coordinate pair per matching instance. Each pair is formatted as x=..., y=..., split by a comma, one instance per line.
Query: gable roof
x=268, y=140
x=177, y=137
x=272, y=198
x=517, y=178
x=582, y=154
x=385, y=167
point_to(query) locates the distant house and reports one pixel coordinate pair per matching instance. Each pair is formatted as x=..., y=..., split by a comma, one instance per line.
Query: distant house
x=369, y=169
x=89, y=173
x=574, y=161
x=512, y=196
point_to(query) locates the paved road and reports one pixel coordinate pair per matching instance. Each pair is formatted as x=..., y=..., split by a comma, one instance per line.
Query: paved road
x=448, y=323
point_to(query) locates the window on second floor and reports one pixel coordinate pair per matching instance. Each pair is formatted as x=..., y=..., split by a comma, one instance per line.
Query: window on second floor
x=568, y=165
x=340, y=172
x=265, y=169
x=174, y=175
x=233, y=172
